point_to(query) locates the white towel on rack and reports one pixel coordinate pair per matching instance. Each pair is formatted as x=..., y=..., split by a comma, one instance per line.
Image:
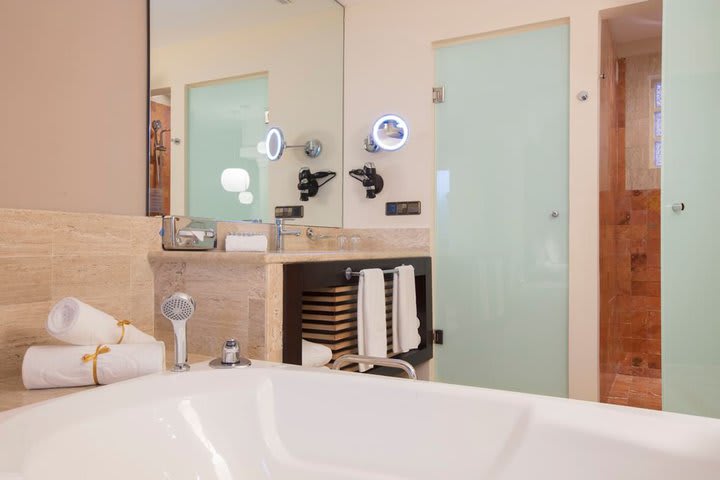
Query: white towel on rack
x=405, y=322
x=371, y=322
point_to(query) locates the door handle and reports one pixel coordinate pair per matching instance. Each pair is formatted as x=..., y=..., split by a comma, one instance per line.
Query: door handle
x=678, y=207
x=554, y=214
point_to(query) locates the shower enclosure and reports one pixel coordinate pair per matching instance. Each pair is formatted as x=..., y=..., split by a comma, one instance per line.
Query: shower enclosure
x=502, y=211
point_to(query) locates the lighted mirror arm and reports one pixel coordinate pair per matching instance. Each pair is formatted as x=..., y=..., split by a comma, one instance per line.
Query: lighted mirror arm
x=275, y=145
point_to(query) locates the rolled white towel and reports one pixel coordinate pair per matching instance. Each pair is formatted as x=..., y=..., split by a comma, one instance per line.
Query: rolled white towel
x=72, y=366
x=77, y=323
x=315, y=355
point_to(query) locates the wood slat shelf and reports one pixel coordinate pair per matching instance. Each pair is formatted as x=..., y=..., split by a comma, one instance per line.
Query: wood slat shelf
x=333, y=323
x=320, y=305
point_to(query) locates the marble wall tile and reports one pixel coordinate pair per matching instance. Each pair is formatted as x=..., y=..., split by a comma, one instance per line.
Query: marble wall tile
x=25, y=235
x=274, y=313
x=24, y=280
x=45, y=256
x=21, y=325
x=91, y=234
x=640, y=172
x=228, y=299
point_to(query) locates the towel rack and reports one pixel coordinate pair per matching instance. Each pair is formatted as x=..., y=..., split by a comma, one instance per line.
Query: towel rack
x=349, y=273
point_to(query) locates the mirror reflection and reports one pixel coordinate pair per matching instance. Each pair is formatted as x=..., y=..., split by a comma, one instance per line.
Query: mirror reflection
x=221, y=73
x=389, y=133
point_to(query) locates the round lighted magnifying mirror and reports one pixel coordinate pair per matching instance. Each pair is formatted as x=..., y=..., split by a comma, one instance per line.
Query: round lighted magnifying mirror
x=389, y=133
x=275, y=145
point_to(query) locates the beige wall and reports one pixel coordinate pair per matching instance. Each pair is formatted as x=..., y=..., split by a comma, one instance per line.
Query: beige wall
x=305, y=94
x=380, y=79
x=72, y=90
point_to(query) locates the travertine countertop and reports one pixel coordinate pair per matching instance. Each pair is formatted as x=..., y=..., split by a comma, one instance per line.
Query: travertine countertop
x=283, y=257
x=13, y=394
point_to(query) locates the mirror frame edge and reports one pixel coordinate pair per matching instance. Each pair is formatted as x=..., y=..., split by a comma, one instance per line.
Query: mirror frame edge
x=147, y=110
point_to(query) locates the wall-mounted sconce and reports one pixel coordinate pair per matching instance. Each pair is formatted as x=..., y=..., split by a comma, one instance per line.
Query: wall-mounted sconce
x=308, y=182
x=275, y=145
x=370, y=179
x=246, y=198
x=389, y=133
x=235, y=180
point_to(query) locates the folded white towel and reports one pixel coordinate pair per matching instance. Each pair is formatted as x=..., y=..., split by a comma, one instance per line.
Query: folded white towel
x=246, y=243
x=77, y=323
x=405, y=322
x=315, y=355
x=63, y=366
x=371, y=325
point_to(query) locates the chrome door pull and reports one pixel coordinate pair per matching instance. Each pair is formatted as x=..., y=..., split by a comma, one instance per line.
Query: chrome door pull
x=678, y=207
x=554, y=214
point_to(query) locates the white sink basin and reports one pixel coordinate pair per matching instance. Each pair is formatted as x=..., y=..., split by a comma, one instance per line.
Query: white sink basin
x=272, y=421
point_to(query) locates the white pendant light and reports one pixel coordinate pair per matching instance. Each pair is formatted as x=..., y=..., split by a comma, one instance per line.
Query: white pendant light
x=235, y=179
x=246, y=198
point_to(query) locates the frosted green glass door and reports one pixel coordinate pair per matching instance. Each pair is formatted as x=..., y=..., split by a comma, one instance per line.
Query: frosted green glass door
x=502, y=212
x=690, y=250
x=226, y=120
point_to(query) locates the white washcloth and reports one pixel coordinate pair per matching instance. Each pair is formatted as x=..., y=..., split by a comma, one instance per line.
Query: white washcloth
x=77, y=323
x=246, y=243
x=405, y=322
x=63, y=366
x=315, y=355
x=371, y=322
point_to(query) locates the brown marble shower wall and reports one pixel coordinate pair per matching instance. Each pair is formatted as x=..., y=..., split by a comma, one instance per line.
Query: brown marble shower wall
x=638, y=276
x=629, y=225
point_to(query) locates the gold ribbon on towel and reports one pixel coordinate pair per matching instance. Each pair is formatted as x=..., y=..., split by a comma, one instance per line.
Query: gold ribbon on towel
x=94, y=357
x=122, y=324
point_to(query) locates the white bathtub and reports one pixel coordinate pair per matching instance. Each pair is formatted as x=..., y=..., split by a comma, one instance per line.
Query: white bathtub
x=273, y=421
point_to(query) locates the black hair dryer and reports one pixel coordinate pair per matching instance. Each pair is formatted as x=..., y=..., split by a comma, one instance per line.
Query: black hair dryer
x=370, y=179
x=308, y=182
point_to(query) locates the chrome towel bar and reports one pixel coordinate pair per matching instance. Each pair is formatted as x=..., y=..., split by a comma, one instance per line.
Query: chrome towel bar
x=383, y=362
x=349, y=273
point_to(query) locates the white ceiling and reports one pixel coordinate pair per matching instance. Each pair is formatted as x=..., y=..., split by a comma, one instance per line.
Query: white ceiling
x=643, y=22
x=173, y=21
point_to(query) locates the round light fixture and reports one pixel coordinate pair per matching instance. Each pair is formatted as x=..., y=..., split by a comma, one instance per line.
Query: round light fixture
x=274, y=144
x=390, y=133
x=246, y=198
x=262, y=148
x=235, y=179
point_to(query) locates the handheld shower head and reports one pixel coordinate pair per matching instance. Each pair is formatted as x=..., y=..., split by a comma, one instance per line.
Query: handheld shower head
x=156, y=125
x=178, y=308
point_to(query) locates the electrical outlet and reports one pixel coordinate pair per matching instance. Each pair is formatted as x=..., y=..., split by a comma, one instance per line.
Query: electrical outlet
x=403, y=208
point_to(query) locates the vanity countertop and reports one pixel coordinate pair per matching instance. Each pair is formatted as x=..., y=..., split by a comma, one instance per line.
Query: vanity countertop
x=283, y=257
x=13, y=394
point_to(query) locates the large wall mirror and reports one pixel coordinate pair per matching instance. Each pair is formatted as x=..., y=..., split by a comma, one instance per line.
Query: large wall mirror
x=225, y=73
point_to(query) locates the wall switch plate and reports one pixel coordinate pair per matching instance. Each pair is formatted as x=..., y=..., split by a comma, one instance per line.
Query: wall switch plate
x=292, y=211
x=403, y=208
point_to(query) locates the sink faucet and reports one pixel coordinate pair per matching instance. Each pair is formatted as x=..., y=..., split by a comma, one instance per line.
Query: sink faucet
x=280, y=233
